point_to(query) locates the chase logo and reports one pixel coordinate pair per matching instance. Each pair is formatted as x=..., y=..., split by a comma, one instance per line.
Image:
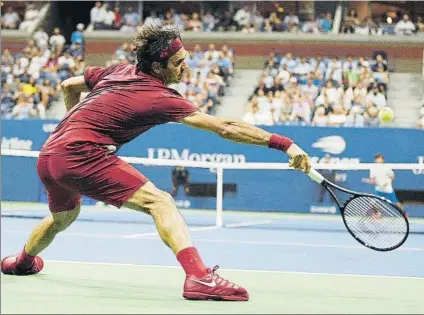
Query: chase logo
x=331, y=144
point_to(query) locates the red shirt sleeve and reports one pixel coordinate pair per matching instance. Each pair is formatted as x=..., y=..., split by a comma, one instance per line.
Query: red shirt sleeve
x=93, y=74
x=174, y=106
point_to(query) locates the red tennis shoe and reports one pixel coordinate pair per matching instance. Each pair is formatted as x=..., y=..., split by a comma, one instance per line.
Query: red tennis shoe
x=9, y=266
x=213, y=287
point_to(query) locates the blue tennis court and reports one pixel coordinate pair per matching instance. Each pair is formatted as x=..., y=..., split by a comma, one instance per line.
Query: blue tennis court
x=113, y=261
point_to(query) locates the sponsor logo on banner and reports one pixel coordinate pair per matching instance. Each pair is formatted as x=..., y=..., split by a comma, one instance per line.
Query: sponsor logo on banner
x=331, y=144
x=49, y=128
x=323, y=209
x=186, y=154
x=16, y=143
x=420, y=170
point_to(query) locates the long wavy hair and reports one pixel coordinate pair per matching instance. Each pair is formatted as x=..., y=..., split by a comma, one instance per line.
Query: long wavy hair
x=150, y=41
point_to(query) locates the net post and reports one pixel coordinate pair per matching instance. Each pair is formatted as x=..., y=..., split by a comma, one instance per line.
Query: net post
x=219, y=195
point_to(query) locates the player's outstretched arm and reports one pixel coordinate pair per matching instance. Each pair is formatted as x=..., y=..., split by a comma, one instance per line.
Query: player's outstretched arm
x=72, y=89
x=241, y=132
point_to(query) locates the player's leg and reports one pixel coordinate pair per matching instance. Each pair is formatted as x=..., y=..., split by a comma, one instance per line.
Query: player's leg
x=201, y=283
x=43, y=234
x=160, y=205
x=65, y=208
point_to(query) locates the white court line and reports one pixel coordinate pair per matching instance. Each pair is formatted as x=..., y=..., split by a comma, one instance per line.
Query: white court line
x=239, y=270
x=153, y=236
x=247, y=223
x=299, y=244
x=195, y=229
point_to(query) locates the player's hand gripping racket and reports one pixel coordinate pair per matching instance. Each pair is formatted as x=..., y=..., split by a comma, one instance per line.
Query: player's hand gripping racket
x=373, y=221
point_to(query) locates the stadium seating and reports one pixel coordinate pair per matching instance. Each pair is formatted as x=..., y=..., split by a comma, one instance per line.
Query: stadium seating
x=32, y=76
x=319, y=91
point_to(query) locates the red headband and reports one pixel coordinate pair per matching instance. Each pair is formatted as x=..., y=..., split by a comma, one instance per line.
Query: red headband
x=175, y=46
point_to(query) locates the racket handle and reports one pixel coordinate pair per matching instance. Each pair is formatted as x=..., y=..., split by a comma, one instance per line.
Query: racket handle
x=315, y=176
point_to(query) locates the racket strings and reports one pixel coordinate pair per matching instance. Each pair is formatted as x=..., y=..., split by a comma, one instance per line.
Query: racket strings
x=376, y=223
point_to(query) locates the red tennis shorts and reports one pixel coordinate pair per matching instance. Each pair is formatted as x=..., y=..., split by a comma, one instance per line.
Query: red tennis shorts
x=93, y=172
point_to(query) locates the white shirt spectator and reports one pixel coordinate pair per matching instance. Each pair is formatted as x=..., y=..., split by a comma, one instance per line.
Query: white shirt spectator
x=30, y=17
x=301, y=109
x=355, y=120
x=11, y=19
x=57, y=40
x=242, y=17
x=109, y=17
x=378, y=99
x=404, y=28
x=284, y=76
x=63, y=60
x=37, y=63
x=23, y=62
x=96, y=15
x=336, y=119
x=253, y=118
x=41, y=38
x=320, y=121
x=302, y=68
x=152, y=19
x=311, y=89
x=291, y=18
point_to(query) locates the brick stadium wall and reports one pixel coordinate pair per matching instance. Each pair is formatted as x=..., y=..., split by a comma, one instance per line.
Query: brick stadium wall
x=251, y=50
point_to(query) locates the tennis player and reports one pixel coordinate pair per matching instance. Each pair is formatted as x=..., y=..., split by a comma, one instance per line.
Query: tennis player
x=79, y=156
x=382, y=177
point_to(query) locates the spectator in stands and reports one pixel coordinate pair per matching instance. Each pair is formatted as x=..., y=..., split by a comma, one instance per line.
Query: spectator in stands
x=57, y=40
x=96, y=16
x=376, y=97
x=326, y=23
x=355, y=118
x=371, y=117
x=242, y=17
x=47, y=94
x=10, y=20
x=419, y=26
x=24, y=108
x=291, y=22
x=41, y=38
x=133, y=18
x=76, y=50
x=108, y=17
x=311, y=26
x=319, y=119
x=351, y=21
x=253, y=115
x=405, y=26
x=7, y=100
x=337, y=118
x=117, y=22
x=65, y=65
x=30, y=17
x=78, y=35
x=152, y=18
x=194, y=24
x=301, y=111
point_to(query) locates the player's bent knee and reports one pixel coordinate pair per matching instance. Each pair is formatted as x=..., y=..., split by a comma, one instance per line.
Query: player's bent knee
x=62, y=220
x=150, y=199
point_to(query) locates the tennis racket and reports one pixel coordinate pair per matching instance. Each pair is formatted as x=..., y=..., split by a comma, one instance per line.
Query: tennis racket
x=373, y=221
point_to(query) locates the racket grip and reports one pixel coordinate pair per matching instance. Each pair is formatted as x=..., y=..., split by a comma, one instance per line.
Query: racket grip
x=315, y=176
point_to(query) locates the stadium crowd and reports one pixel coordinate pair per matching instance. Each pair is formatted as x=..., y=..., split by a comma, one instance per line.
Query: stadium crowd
x=205, y=83
x=319, y=91
x=245, y=19
x=12, y=19
x=249, y=19
x=31, y=78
